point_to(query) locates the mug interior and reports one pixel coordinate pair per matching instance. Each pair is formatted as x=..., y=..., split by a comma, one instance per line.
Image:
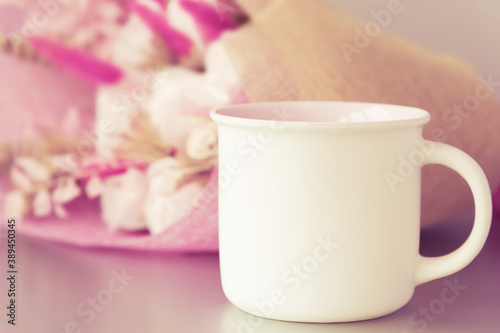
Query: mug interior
x=331, y=113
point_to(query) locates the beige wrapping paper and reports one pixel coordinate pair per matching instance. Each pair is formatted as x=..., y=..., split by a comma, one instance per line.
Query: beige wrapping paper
x=308, y=50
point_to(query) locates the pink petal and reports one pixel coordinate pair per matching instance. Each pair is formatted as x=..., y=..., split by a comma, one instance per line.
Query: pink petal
x=211, y=21
x=177, y=42
x=229, y=6
x=105, y=167
x=78, y=62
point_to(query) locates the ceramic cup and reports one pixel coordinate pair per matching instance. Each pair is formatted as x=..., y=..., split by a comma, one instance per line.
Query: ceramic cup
x=319, y=208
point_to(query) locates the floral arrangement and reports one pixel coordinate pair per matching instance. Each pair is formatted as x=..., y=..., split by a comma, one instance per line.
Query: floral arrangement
x=159, y=69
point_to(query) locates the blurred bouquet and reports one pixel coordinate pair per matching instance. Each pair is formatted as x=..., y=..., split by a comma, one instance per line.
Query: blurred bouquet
x=159, y=68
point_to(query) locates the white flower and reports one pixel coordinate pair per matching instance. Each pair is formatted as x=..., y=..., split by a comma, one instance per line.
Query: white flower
x=60, y=211
x=122, y=200
x=42, y=204
x=180, y=103
x=26, y=174
x=164, y=175
x=15, y=205
x=220, y=73
x=94, y=187
x=202, y=143
x=20, y=180
x=34, y=169
x=162, y=211
x=115, y=107
x=138, y=47
x=67, y=190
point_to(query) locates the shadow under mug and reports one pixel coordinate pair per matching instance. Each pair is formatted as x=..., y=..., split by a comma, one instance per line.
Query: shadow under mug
x=319, y=208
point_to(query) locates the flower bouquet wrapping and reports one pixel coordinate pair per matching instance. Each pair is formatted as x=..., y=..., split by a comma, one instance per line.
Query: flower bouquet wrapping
x=125, y=155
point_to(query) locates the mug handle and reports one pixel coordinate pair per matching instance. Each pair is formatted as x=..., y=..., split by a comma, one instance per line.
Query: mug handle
x=429, y=269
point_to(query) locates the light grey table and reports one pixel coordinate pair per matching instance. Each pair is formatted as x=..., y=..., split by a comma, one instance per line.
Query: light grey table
x=182, y=293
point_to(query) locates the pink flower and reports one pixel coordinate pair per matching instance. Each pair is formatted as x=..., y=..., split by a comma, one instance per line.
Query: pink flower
x=122, y=200
x=183, y=21
x=209, y=19
x=177, y=42
x=102, y=167
x=79, y=62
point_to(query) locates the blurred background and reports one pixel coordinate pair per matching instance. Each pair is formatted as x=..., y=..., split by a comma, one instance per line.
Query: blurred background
x=465, y=28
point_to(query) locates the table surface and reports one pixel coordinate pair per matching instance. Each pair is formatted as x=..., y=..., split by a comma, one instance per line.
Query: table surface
x=182, y=293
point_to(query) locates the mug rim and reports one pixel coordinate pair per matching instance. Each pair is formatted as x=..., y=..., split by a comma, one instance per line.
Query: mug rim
x=228, y=115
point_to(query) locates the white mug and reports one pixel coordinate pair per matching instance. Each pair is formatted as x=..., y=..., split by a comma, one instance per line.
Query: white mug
x=319, y=208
